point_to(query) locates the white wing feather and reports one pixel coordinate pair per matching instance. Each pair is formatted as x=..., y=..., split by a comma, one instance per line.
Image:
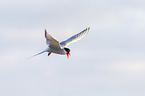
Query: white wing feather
x=75, y=38
x=50, y=41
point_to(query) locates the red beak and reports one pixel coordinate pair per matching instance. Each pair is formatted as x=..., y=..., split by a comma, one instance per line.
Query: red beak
x=68, y=55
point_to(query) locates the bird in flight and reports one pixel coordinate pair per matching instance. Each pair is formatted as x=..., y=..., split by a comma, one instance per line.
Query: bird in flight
x=57, y=47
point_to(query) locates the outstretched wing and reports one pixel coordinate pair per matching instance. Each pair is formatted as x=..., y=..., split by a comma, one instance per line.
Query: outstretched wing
x=50, y=41
x=75, y=38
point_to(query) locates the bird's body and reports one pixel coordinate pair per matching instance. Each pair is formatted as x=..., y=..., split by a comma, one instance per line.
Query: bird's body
x=56, y=50
x=60, y=48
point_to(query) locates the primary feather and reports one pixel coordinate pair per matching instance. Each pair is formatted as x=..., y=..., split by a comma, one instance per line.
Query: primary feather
x=50, y=41
x=75, y=38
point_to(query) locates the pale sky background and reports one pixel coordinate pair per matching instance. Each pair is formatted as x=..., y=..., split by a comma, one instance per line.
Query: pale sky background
x=109, y=61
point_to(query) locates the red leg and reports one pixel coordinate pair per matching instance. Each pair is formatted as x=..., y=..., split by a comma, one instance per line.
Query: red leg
x=49, y=53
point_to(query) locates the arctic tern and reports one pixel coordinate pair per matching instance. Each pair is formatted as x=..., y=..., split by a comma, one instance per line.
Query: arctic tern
x=57, y=47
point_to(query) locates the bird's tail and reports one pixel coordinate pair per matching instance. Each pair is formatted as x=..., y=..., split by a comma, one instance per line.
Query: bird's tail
x=37, y=54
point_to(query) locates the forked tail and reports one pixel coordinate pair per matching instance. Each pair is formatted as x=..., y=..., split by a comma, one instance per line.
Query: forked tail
x=36, y=54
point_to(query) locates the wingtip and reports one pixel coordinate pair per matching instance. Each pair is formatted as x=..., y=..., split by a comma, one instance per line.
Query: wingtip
x=45, y=30
x=88, y=28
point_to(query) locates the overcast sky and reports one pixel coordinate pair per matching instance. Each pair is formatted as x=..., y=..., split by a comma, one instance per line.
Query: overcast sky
x=109, y=61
